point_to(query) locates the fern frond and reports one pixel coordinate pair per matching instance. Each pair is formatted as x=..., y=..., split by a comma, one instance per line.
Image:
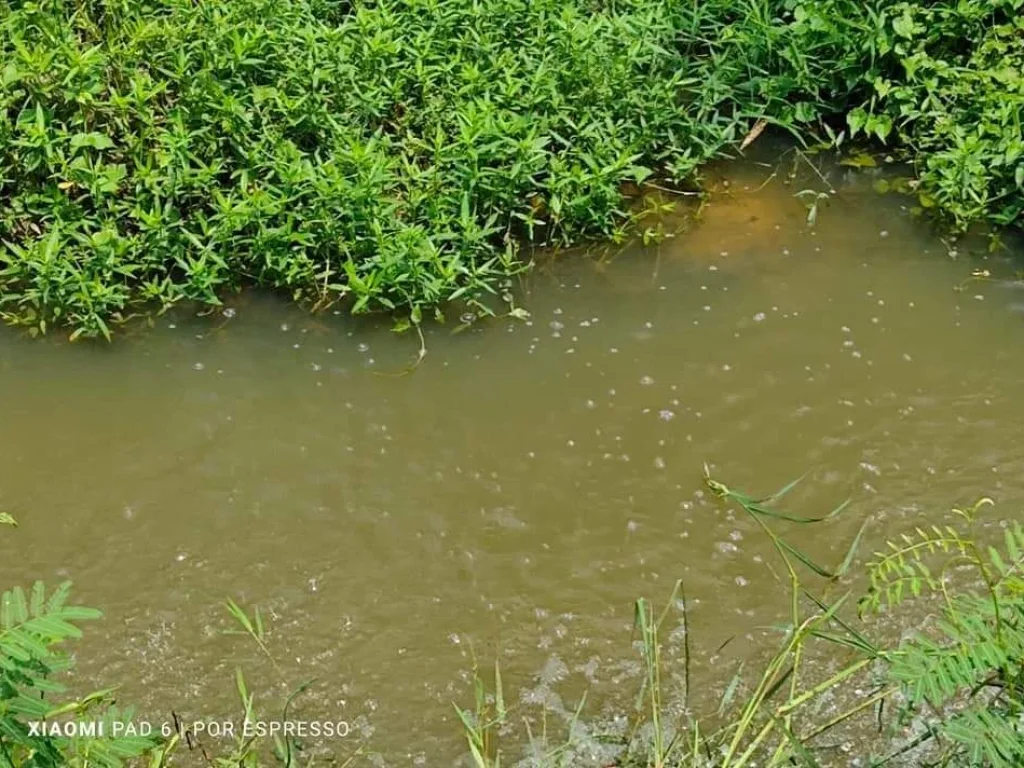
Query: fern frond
x=966, y=652
x=987, y=736
x=30, y=628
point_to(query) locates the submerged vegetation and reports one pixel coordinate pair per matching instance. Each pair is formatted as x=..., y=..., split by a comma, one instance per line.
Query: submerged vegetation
x=399, y=155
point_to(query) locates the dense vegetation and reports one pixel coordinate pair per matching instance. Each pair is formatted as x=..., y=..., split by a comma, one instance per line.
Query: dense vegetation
x=397, y=154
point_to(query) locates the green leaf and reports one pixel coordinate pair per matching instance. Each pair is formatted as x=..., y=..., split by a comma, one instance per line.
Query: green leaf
x=94, y=140
x=904, y=25
x=856, y=119
x=860, y=160
x=844, y=566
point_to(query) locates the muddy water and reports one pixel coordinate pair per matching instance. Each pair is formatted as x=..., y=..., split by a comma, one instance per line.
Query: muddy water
x=516, y=492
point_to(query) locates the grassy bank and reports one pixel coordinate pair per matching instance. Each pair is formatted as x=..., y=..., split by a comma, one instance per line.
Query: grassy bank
x=401, y=154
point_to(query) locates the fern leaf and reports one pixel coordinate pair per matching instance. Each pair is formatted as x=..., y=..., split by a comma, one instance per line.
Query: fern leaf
x=13, y=609
x=58, y=597
x=987, y=737
x=37, y=599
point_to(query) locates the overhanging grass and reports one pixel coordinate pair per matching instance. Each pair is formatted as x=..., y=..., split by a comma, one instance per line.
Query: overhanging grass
x=398, y=153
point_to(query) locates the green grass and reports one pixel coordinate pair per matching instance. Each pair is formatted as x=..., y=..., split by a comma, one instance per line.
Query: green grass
x=402, y=154
x=957, y=676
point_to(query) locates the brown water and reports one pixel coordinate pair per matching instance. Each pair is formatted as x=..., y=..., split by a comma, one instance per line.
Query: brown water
x=518, y=490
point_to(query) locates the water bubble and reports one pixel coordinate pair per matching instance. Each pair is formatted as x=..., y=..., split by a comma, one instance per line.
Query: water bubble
x=666, y=415
x=646, y=381
x=760, y=316
x=363, y=347
x=884, y=233
x=659, y=463
x=228, y=312
x=285, y=327
x=555, y=325
x=198, y=366
x=557, y=311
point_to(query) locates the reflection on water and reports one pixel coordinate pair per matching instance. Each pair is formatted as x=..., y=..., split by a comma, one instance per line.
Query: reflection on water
x=517, y=491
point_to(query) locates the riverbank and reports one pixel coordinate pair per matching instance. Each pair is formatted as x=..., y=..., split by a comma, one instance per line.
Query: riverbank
x=397, y=156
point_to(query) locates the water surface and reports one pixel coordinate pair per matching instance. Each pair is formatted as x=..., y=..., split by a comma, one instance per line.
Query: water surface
x=516, y=492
